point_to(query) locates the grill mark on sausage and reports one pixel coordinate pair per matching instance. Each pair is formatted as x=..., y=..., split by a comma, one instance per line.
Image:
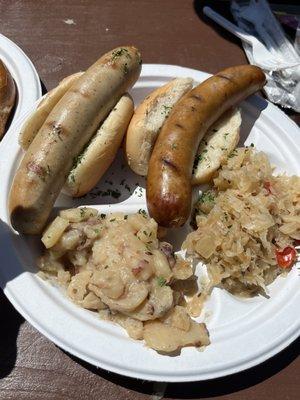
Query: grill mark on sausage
x=197, y=97
x=169, y=164
x=226, y=77
x=37, y=169
x=179, y=126
x=56, y=129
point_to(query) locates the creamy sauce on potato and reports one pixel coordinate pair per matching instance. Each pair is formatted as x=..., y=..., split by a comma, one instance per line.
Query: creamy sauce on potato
x=114, y=264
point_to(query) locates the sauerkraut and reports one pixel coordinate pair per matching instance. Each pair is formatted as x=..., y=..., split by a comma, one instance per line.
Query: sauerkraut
x=115, y=265
x=245, y=223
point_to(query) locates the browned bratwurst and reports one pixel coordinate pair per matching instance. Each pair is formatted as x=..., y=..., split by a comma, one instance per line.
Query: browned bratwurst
x=169, y=191
x=67, y=129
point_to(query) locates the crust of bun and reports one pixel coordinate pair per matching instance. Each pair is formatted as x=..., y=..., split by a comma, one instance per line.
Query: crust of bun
x=7, y=96
x=220, y=140
x=93, y=162
x=147, y=121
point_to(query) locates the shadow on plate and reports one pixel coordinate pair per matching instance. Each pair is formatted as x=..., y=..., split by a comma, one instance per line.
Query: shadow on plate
x=117, y=185
x=250, y=111
x=204, y=389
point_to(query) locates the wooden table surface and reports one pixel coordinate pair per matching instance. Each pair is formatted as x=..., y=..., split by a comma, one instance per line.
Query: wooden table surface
x=62, y=37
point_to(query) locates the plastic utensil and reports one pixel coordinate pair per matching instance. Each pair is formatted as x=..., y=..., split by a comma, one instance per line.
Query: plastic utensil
x=263, y=55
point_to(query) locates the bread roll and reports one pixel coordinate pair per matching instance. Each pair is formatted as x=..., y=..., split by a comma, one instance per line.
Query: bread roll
x=217, y=143
x=147, y=121
x=101, y=151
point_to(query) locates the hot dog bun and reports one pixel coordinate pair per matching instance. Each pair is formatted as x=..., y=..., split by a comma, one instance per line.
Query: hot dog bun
x=35, y=121
x=7, y=96
x=218, y=142
x=63, y=136
x=147, y=121
x=169, y=189
x=93, y=162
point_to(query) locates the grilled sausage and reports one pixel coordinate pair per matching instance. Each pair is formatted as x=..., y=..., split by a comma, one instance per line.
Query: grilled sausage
x=169, y=190
x=35, y=121
x=70, y=125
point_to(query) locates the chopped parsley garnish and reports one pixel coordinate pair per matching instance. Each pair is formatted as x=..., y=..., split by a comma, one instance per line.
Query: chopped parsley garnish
x=110, y=192
x=125, y=68
x=161, y=281
x=199, y=158
x=77, y=160
x=166, y=110
x=72, y=177
x=143, y=213
x=120, y=52
x=233, y=154
x=206, y=197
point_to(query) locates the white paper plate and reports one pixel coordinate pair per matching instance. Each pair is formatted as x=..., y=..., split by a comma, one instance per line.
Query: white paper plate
x=25, y=76
x=243, y=332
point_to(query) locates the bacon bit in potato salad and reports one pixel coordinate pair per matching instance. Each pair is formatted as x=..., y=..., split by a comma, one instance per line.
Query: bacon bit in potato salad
x=115, y=264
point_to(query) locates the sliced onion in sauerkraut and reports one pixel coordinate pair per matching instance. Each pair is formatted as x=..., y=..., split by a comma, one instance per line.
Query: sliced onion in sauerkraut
x=241, y=222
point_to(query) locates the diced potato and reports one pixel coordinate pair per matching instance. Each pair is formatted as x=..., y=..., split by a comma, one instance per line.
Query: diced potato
x=161, y=265
x=54, y=231
x=77, y=289
x=78, y=214
x=133, y=327
x=48, y=264
x=178, y=318
x=63, y=277
x=167, y=339
x=159, y=302
x=136, y=294
x=182, y=269
x=92, y=302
